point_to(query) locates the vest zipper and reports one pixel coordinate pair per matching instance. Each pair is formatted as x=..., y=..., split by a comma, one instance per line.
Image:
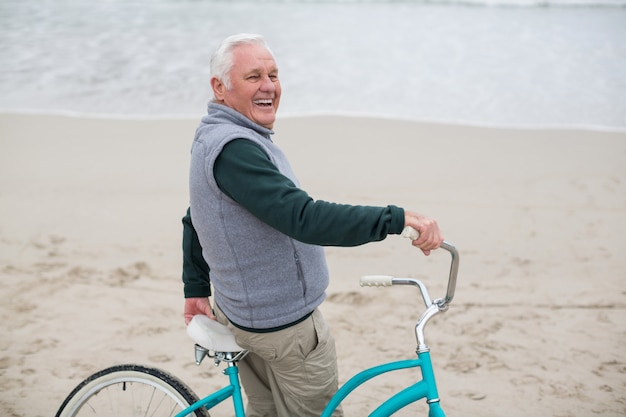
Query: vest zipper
x=299, y=269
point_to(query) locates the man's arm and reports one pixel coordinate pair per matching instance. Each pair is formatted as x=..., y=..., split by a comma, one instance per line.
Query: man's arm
x=196, y=274
x=244, y=172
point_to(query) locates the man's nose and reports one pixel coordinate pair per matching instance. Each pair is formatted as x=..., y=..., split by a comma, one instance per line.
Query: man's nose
x=267, y=84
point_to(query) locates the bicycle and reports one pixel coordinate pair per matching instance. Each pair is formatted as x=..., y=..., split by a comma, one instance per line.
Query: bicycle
x=127, y=389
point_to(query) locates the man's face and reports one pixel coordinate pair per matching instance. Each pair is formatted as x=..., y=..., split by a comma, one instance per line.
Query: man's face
x=255, y=89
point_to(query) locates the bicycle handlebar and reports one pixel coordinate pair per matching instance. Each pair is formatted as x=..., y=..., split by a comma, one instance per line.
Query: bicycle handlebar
x=386, y=280
x=454, y=270
x=377, y=281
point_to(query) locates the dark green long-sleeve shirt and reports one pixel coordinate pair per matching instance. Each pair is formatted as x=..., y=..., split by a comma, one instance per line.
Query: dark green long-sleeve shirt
x=245, y=173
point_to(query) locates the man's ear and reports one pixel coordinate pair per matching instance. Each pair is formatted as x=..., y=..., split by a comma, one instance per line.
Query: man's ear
x=218, y=88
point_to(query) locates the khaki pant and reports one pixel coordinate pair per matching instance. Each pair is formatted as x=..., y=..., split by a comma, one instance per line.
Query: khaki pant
x=288, y=373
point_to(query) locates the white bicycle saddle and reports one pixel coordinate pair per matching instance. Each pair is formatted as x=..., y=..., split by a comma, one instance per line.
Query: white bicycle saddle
x=212, y=335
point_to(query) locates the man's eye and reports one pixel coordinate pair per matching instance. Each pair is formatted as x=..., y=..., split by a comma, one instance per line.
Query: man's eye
x=273, y=77
x=253, y=77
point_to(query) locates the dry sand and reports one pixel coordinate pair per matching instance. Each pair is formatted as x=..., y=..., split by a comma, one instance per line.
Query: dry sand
x=90, y=258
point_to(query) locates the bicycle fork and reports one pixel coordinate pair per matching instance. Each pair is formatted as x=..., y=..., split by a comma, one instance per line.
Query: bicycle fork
x=431, y=393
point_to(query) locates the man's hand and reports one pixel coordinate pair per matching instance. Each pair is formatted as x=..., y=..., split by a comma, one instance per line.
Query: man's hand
x=198, y=305
x=430, y=235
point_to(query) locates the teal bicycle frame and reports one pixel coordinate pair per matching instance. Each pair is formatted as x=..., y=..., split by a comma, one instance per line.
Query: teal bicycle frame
x=425, y=388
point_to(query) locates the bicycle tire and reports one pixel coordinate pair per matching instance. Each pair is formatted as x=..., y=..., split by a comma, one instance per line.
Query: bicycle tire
x=130, y=390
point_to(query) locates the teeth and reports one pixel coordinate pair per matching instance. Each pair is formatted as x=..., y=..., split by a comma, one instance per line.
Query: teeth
x=268, y=101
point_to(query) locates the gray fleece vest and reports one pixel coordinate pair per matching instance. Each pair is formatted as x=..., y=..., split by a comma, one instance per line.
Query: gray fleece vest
x=261, y=277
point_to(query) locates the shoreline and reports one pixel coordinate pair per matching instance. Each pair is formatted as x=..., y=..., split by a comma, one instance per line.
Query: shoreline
x=288, y=116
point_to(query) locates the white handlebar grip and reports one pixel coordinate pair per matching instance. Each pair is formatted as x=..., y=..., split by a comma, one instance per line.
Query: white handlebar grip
x=411, y=233
x=376, y=281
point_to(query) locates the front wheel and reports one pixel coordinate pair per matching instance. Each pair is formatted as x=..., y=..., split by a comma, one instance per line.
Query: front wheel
x=130, y=390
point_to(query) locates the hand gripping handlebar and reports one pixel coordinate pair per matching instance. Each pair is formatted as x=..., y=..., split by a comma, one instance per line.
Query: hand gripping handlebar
x=386, y=280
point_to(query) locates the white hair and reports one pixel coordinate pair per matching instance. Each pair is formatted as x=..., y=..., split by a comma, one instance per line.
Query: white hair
x=222, y=59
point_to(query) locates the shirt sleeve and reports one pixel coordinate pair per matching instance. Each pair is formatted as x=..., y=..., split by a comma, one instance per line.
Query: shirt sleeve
x=196, y=272
x=245, y=173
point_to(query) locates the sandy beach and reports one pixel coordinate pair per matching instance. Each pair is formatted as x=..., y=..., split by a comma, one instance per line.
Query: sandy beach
x=90, y=258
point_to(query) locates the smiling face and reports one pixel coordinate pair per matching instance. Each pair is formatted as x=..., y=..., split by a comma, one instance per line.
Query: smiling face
x=255, y=88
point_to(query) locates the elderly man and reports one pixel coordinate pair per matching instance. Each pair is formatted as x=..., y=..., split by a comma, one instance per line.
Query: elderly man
x=261, y=235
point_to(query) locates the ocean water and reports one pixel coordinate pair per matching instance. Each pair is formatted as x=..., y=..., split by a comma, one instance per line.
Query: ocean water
x=486, y=62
